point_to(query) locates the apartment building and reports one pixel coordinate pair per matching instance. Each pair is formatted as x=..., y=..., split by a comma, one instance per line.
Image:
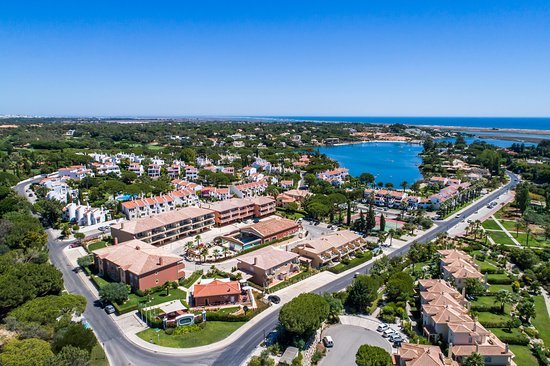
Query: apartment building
x=191, y=173
x=173, y=171
x=218, y=194
x=138, y=264
x=84, y=215
x=335, y=176
x=148, y=206
x=154, y=170
x=75, y=172
x=326, y=249
x=106, y=168
x=457, y=266
x=269, y=266
x=136, y=168
x=445, y=316
x=163, y=228
x=238, y=209
x=58, y=189
x=410, y=354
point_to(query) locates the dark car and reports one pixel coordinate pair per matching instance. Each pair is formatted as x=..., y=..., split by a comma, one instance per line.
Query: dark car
x=110, y=309
x=274, y=299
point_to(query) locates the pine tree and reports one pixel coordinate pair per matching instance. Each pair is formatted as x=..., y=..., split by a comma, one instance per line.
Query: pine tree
x=382, y=223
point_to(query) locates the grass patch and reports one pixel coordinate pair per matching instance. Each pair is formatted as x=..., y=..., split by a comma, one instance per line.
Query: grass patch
x=496, y=288
x=341, y=267
x=511, y=226
x=534, y=241
x=191, y=279
x=213, y=332
x=97, y=245
x=523, y=354
x=151, y=300
x=487, y=317
x=500, y=237
x=542, y=320
x=490, y=224
x=98, y=357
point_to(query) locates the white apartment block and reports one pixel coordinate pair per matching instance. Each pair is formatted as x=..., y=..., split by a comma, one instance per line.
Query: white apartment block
x=85, y=215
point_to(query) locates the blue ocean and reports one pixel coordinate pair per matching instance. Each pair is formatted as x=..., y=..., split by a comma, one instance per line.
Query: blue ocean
x=526, y=123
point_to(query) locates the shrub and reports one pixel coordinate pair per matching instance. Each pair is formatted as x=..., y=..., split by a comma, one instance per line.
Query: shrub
x=531, y=332
x=494, y=324
x=317, y=356
x=486, y=308
x=188, y=329
x=169, y=331
x=518, y=339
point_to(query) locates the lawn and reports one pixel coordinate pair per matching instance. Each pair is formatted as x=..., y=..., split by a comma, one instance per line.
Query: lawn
x=97, y=356
x=490, y=225
x=534, y=241
x=191, y=279
x=155, y=299
x=496, y=288
x=485, y=265
x=524, y=357
x=97, y=245
x=511, y=226
x=213, y=332
x=485, y=316
x=497, y=276
x=542, y=320
x=500, y=237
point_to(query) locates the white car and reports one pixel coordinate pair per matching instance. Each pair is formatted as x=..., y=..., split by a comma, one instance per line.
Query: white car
x=382, y=327
x=388, y=332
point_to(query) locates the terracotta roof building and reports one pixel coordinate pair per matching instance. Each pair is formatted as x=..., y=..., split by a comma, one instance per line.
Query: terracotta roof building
x=166, y=227
x=269, y=265
x=331, y=247
x=422, y=355
x=138, y=264
x=217, y=292
x=238, y=209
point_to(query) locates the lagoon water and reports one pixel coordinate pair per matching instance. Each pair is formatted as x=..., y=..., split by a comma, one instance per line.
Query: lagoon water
x=393, y=162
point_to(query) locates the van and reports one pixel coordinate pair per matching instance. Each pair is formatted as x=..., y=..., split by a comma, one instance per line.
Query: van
x=328, y=342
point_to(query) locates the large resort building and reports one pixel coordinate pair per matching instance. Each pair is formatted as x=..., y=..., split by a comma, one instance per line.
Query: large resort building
x=238, y=209
x=332, y=247
x=138, y=264
x=166, y=227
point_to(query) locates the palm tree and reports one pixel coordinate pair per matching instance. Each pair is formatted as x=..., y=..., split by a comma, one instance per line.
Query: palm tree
x=504, y=297
x=404, y=185
x=474, y=359
x=188, y=247
x=225, y=251
x=198, y=239
x=217, y=252
x=528, y=232
x=518, y=226
x=204, y=253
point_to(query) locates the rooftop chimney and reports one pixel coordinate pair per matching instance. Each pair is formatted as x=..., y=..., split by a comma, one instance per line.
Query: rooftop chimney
x=450, y=350
x=255, y=260
x=507, y=348
x=115, y=241
x=121, y=226
x=160, y=261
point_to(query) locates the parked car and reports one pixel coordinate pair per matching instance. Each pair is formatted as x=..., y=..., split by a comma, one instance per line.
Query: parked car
x=397, y=344
x=274, y=299
x=396, y=338
x=328, y=342
x=382, y=327
x=388, y=332
x=356, y=274
x=110, y=309
x=457, y=216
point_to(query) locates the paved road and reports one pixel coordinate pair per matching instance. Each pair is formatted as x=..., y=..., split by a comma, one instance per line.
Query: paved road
x=123, y=352
x=347, y=340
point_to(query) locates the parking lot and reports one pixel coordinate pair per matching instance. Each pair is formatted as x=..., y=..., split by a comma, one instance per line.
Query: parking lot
x=347, y=340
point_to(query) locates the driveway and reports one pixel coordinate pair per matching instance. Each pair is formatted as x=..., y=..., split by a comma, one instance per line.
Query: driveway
x=347, y=340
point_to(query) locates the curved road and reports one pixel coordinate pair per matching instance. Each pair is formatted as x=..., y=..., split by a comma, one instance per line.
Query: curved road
x=123, y=352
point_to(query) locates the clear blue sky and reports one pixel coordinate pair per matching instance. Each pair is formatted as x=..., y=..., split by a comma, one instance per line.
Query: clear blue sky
x=368, y=58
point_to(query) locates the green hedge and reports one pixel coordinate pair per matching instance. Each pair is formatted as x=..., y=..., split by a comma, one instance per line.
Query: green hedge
x=492, y=270
x=493, y=324
x=341, y=267
x=486, y=308
x=519, y=340
x=500, y=281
